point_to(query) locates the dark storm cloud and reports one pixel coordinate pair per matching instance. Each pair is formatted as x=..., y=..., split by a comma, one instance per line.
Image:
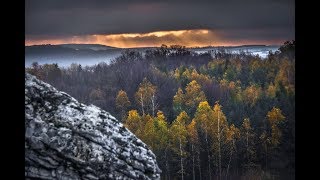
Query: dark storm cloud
x=241, y=18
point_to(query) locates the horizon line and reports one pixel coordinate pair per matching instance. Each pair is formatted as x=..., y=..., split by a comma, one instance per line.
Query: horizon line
x=168, y=45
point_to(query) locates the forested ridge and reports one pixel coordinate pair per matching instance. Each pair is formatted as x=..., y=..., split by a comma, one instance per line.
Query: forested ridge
x=205, y=116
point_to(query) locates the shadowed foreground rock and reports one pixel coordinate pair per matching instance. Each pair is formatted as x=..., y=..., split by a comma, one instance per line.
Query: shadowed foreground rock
x=65, y=139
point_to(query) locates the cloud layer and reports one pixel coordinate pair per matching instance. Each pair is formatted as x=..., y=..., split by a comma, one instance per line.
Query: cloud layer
x=253, y=20
x=187, y=38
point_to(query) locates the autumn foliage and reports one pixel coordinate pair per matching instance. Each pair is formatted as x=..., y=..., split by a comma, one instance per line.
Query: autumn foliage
x=205, y=116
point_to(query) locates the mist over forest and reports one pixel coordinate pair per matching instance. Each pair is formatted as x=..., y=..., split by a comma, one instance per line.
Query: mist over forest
x=91, y=54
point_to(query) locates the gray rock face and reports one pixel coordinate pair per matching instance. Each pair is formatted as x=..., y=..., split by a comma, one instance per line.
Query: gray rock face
x=65, y=139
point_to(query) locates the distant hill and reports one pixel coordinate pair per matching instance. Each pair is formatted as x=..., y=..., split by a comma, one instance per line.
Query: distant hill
x=95, y=47
x=65, y=54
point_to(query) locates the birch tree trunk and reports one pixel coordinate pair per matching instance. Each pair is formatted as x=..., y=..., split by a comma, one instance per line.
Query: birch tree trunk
x=153, y=104
x=209, y=167
x=199, y=165
x=181, y=160
x=193, y=173
x=247, y=139
x=219, y=148
x=230, y=159
x=142, y=105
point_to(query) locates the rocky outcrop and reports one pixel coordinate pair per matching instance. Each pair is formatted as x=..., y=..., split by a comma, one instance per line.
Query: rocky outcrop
x=65, y=139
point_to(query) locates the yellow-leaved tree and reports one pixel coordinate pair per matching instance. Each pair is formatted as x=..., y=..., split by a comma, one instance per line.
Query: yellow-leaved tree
x=146, y=97
x=270, y=141
x=203, y=117
x=133, y=121
x=149, y=132
x=122, y=103
x=247, y=139
x=271, y=91
x=178, y=101
x=219, y=129
x=189, y=100
x=178, y=134
x=162, y=144
x=232, y=135
x=194, y=95
x=193, y=139
x=251, y=94
x=275, y=117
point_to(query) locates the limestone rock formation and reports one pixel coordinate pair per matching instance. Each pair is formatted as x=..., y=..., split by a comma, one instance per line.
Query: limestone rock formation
x=65, y=139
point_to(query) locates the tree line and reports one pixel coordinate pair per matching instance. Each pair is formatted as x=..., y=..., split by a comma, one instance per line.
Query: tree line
x=214, y=115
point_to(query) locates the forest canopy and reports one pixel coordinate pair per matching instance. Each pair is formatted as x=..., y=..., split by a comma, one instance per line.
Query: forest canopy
x=205, y=116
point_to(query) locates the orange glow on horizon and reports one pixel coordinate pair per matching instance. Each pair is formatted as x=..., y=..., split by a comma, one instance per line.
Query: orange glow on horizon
x=188, y=38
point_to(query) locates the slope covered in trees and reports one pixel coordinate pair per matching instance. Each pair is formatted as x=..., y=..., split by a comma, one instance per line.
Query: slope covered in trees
x=205, y=116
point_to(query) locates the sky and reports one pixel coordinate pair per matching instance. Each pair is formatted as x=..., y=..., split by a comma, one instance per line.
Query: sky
x=145, y=23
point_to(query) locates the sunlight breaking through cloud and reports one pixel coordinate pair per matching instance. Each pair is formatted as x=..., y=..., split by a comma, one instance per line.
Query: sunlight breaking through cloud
x=200, y=37
x=188, y=38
